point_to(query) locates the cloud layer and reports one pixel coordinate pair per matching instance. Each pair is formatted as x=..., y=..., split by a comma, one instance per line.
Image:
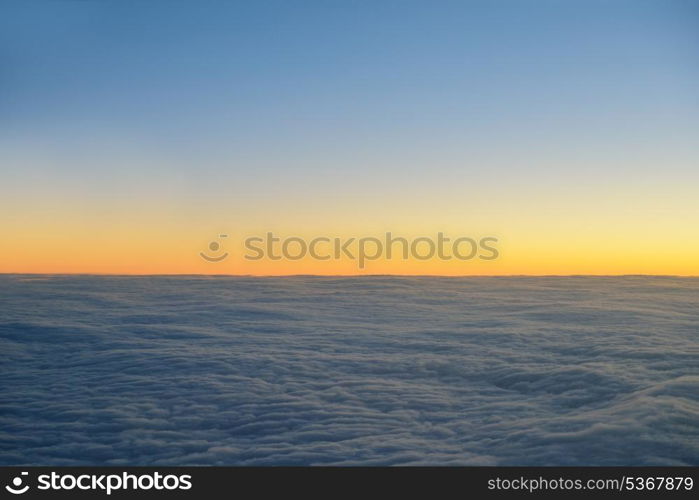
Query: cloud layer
x=381, y=370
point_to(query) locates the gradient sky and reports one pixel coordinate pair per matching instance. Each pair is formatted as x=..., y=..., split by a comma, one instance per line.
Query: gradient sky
x=132, y=133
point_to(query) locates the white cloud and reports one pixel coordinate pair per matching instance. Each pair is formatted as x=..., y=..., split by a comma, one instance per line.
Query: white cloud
x=514, y=371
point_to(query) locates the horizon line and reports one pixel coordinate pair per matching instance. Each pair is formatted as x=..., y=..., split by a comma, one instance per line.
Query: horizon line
x=137, y=275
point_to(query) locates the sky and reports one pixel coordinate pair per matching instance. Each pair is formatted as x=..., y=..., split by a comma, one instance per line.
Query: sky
x=132, y=134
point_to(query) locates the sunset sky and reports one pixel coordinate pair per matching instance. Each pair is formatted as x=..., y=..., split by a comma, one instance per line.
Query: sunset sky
x=133, y=133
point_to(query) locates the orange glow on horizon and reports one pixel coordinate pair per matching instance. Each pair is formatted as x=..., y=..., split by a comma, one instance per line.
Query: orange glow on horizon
x=637, y=231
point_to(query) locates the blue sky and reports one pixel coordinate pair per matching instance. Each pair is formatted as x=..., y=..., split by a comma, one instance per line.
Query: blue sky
x=192, y=103
x=326, y=78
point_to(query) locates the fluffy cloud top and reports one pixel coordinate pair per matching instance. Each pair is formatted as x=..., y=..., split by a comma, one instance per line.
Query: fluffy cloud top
x=257, y=371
